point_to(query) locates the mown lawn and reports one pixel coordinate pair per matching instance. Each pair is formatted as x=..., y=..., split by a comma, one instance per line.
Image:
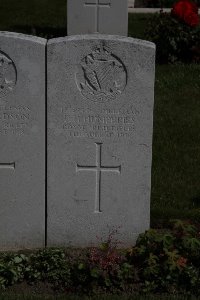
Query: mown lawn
x=176, y=147
x=176, y=143
x=46, y=18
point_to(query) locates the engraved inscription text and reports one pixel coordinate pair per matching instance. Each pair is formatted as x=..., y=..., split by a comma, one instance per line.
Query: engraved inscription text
x=15, y=120
x=107, y=123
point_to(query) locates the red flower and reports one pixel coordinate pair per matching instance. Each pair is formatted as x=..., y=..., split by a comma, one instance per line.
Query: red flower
x=191, y=19
x=186, y=11
x=181, y=262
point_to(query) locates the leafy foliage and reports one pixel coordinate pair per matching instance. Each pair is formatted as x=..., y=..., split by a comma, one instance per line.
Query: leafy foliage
x=162, y=261
x=175, y=40
x=169, y=261
x=49, y=265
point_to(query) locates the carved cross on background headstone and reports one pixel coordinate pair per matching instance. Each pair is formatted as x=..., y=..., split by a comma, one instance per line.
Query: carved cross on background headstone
x=98, y=4
x=97, y=16
x=7, y=166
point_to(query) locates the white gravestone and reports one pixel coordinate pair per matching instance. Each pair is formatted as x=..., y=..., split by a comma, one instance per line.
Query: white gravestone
x=97, y=16
x=100, y=122
x=22, y=139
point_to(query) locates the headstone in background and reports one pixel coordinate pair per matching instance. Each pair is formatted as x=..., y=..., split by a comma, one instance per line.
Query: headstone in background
x=131, y=3
x=100, y=112
x=97, y=16
x=22, y=140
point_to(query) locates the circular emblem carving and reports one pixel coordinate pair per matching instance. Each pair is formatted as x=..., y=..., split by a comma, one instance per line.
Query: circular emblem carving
x=101, y=76
x=8, y=74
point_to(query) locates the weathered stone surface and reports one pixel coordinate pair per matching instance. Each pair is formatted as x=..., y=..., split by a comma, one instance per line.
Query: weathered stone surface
x=22, y=139
x=100, y=117
x=97, y=16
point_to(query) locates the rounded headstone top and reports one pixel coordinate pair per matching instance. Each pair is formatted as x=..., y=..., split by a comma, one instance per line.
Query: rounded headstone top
x=118, y=38
x=22, y=36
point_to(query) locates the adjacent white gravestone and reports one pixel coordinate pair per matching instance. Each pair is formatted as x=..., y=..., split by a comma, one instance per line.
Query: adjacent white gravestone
x=97, y=16
x=22, y=139
x=100, y=120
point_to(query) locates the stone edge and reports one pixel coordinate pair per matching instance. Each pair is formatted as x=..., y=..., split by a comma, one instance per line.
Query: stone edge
x=22, y=36
x=103, y=37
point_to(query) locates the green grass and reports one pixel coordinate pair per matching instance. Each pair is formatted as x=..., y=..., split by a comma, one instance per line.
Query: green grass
x=138, y=23
x=176, y=147
x=38, y=17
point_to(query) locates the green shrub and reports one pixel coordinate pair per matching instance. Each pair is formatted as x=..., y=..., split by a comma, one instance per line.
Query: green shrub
x=50, y=265
x=162, y=261
x=175, y=41
x=108, y=267
x=103, y=268
x=168, y=261
x=12, y=269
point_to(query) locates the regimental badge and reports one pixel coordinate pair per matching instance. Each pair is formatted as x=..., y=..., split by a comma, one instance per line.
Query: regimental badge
x=8, y=75
x=101, y=76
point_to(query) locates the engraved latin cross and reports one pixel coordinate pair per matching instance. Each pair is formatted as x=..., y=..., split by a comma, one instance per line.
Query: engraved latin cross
x=7, y=166
x=98, y=4
x=98, y=169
